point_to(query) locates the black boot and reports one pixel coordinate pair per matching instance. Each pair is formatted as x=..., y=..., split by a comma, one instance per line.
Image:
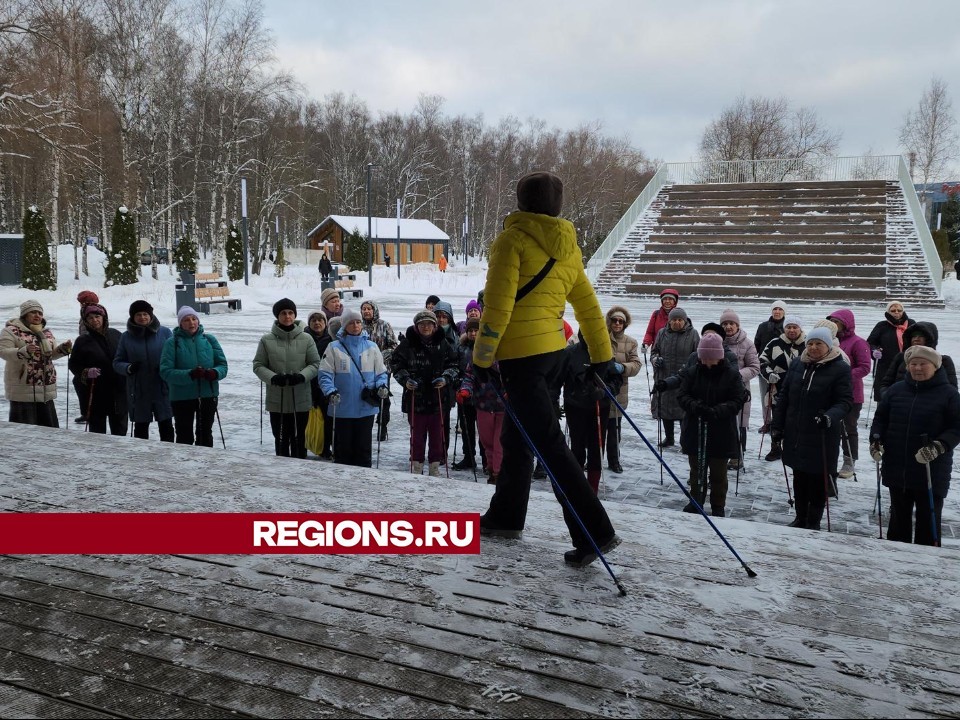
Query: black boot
x=800, y=521
x=776, y=451
x=814, y=516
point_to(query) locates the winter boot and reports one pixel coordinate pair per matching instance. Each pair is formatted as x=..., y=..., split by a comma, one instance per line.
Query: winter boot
x=465, y=464
x=718, y=512
x=776, y=451
x=538, y=472
x=814, y=516
x=434, y=469
x=417, y=468
x=492, y=480
x=800, y=521
x=593, y=477
x=581, y=557
x=848, y=470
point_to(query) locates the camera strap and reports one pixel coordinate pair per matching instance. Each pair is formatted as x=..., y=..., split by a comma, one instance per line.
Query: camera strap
x=356, y=364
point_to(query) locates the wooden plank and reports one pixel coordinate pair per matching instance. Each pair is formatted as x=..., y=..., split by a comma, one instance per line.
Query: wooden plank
x=16, y=702
x=205, y=292
x=206, y=277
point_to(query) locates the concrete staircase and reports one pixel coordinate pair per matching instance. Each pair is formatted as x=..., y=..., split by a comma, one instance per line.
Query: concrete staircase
x=825, y=241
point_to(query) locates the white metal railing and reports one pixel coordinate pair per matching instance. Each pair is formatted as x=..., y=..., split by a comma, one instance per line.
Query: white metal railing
x=920, y=223
x=603, y=253
x=879, y=167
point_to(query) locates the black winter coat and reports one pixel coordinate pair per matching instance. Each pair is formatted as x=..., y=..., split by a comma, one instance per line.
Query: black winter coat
x=884, y=336
x=579, y=394
x=898, y=368
x=766, y=332
x=908, y=410
x=94, y=350
x=717, y=394
x=808, y=390
x=423, y=362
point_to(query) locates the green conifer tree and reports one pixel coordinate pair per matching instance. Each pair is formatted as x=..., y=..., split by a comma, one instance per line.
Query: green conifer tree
x=234, y=249
x=279, y=263
x=355, y=255
x=37, y=272
x=123, y=259
x=186, y=255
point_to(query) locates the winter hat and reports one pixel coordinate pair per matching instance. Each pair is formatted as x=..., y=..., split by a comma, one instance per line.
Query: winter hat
x=138, y=306
x=778, y=304
x=922, y=351
x=316, y=315
x=93, y=309
x=729, y=315
x=712, y=327
x=793, y=320
x=284, y=304
x=472, y=324
x=88, y=297
x=710, y=348
x=670, y=291
x=30, y=306
x=425, y=315
x=327, y=295
x=431, y=300
x=348, y=316
x=540, y=192
x=822, y=334
x=333, y=326
x=677, y=314
x=830, y=326
x=894, y=302
x=473, y=305
x=186, y=311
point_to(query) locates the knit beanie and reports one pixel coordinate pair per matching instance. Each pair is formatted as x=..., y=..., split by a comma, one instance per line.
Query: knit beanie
x=710, y=348
x=333, y=326
x=729, y=315
x=88, y=297
x=922, y=351
x=425, y=315
x=473, y=305
x=540, y=192
x=892, y=303
x=677, y=314
x=830, y=326
x=472, y=324
x=138, y=306
x=186, y=311
x=793, y=320
x=93, y=309
x=316, y=315
x=348, y=316
x=619, y=315
x=778, y=304
x=30, y=306
x=670, y=291
x=327, y=295
x=822, y=334
x=431, y=300
x=284, y=304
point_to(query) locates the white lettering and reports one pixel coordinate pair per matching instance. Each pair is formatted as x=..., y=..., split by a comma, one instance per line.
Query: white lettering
x=287, y=533
x=263, y=532
x=435, y=530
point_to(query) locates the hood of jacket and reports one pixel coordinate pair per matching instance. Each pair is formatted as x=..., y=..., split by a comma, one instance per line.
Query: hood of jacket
x=619, y=309
x=446, y=307
x=927, y=329
x=849, y=322
x=555, y=236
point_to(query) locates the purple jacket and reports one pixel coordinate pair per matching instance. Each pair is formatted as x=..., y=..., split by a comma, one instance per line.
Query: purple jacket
x=856, y=348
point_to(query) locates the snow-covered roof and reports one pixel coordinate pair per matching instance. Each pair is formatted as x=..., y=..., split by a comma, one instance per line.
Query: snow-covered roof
x=385, y=229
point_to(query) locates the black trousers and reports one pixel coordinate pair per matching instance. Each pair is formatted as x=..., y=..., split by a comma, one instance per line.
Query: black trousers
x=187, y=412
x=289, y=434
x=97, y=423
x=613, y=440
x=83, y=395
x=142, y=430
x=904, y=504
x=586, y=436
x=527, y=382
x=467, y=419
x=383, y=417
x=353, y=444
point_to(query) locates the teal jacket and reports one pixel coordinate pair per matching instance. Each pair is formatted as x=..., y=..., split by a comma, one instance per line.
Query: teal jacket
x=181, y=354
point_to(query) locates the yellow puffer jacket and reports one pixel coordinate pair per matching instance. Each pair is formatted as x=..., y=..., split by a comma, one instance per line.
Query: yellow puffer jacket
x=535, y=325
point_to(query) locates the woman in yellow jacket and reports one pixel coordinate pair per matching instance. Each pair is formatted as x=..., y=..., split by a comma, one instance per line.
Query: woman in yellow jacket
x=536, y=268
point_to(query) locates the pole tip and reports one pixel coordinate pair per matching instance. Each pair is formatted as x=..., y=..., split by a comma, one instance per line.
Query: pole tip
x=623, y=590
x=750, y=573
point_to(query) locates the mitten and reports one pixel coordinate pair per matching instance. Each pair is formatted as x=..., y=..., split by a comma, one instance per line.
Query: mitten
x=196, y=373
x=876, y=450
x=930, y=452
x=334, y=398
x=295, y=379
x=210, y=375
x=279, y=380
x=822, y=421
x=383, y=391
x=92, y=373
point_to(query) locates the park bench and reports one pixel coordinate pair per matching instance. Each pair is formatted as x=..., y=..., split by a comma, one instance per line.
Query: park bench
x=212, y=289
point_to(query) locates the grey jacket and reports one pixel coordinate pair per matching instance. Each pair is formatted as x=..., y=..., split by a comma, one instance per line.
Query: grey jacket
x=283, y=352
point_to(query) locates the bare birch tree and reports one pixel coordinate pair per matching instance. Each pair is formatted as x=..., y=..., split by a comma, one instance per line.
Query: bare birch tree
x=930, y=133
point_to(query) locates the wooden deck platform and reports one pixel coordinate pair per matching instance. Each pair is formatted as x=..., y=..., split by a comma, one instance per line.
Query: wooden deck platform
x=833, y=626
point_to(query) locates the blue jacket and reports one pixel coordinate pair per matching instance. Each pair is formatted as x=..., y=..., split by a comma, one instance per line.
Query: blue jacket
x=148, y=393
x=339, y=373
x=181, y=354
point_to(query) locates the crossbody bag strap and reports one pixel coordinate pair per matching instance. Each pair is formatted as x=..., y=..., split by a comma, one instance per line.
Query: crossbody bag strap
x=535, y=280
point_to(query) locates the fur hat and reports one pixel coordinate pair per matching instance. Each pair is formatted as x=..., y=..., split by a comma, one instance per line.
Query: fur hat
x=425, y=315
x=29, y=306
x=348, y=316
x=710, y=348
x=540, y=192
x=333, y=326
x=472, y=324
x=822, y=334
x=93, y=309
x=922, y=351
x=712, y=327
x=473, y=305
x=186, y=311
x=778, y=304
x=88, y=297
x=677, y=314
x=284, y=304
x=138, y=306
x=327, y=295
x=729, y=315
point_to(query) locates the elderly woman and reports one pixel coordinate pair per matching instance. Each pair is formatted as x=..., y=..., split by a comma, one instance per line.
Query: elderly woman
x=193, y=364
x=354, y=380
x=29, y=378
x=330, y=303
x=738, y=342
x=627, y=364
x=91, y=363
x=914, y=432
x=887, y=340
x=814, y=397
x=673, y=347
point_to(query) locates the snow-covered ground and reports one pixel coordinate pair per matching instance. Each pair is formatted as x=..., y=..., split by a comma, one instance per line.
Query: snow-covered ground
x=762, y=494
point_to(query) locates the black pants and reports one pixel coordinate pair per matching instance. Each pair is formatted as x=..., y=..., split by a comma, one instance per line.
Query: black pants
x=849, y=437
x=613, y=440
x=903, y=505
x=83, y=395
x=669, y=431
x=467, y=419
x=97, y=423
x=186, y=412
x=289, y=436
x=587, y=434
x=142, y=430
x=527, y=382
x=353, y=443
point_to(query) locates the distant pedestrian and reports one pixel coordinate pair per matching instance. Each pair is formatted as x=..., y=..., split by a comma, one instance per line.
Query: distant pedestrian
x=660, y=317
x=386, y=259
x=325, y=267
x=442, y=264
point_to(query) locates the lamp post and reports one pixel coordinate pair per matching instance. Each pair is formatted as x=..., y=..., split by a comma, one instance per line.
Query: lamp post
x=370, y=167
x=243, y=228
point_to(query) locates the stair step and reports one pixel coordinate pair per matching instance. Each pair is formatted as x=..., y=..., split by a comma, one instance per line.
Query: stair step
x=769, y=280
x=797, y=266
x=770, y=229
x=762, y=292
x=682, y=254
x=798, y=201
x=872, y=185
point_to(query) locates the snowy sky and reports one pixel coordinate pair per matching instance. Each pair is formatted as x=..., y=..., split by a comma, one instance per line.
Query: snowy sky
x=651, y=71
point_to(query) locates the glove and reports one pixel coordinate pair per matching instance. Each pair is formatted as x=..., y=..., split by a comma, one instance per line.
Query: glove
x=822, y=421
x=65, y=347
x=658, y=361
x=643, y=348
x=334, y=398
x=876, y=450
x=618, y=367
x=210, y=375
x=196, y=373
x=697, y=408
x=660, y=386
x=710, y=413
x=295, y=379
x=133, y=368
x=412, y=385
x=279, y=380
x=439, y=382
x=463, y=396
x=776, y=435
x=597, y=371
x=383, y=392
x=877, y=353
x=92, y=373
x=773, y=378
x=929, y=452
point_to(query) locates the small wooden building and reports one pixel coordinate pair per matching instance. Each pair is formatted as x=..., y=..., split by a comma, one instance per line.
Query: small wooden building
x=419, y=240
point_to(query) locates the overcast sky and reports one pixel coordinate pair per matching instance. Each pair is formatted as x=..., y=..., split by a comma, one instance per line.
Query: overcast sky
x=655, y=72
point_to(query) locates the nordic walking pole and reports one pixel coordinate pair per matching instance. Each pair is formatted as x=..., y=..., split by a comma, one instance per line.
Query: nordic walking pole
x=413, y=421
x=378, y=435
x=741, y=440
x=443, y=439
x=600, y=452
x=556, y=486
x=86, y=427
x=873, y=375
x=456, y=433
x=924, y=441
x=261, y=412
x=826, y=474
x=216, y=409
x=879, y=505
x=66, y=377
x=646, y=370
x=660, y=427
x=701, y=462
x=787, y=481
x=750, y=573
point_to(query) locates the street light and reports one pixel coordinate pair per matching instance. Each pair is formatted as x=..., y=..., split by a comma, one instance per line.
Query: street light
x=370, y=167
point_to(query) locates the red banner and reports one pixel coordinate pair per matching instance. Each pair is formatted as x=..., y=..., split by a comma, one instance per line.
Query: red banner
x=239, y=533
